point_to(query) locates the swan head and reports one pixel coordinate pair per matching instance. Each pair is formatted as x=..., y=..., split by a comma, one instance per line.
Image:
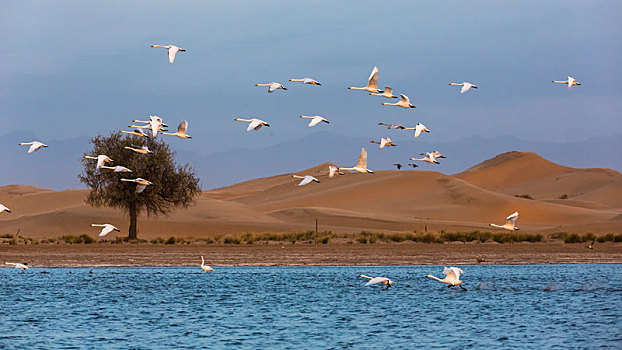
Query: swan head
x=430, y=275
x=116, y=229
x=411, y=106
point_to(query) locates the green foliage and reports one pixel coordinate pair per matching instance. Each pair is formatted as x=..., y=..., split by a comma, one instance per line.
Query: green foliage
x=525, y=196
x=6, y=235
x=174, y=186
x=515, y=237
x=573, y=237
x=171, y=240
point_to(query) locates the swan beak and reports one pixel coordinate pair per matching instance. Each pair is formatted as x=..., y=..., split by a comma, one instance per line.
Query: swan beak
x=411, y=106
x=321, y=84
x=284, y=88
x=116, y=229
x=474, y=87
x=268, y=125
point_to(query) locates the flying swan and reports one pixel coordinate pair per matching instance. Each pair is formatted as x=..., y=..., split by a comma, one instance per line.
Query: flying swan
x=254, y=124
x=374, y=280
x=172, y=51
x=372, y=84
x=361, y=165
x=452, y=277
x=510, y=223
x=465, y=86
x=34, y=145
x=107, y=228
x=306, y=179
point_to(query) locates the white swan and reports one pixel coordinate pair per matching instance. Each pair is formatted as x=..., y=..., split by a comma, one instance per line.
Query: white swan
x=436, y=154
x=372, y=84
x=465, y=86
x=117, y=169
x=510, y=223
x=393, y=126
x=154, y=123
x=307, y=81
x=452, y=277
x=182, y=130
x=17, y=265
x=571, y=81
x=404, y=102
x=361, y=165
x=384, y=142
x=137, y=132
x=141, y=183
x=3, y=208
x=419, y=128
x=374, y=280
x=332, y=170
x=172, y=51
x=315, y=120
x=306, y=179
x=388, y=93
x=429, y=158
x=141, y=150
x=205, y=267
x=107, y=228
x=254, y=123
x=101, y=159
x=272, y=86
x=34, y=145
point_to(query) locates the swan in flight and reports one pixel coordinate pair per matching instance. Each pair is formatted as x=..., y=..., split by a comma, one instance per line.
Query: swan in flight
x=510, y=223
x=465, y=86
x=436, y=154
x=117, y=169
x=429, y=157
x=452, y=277
x=374, y=280
x=398, y=166
x=154, y=123
x=205, y=267
x=182, y=129
x=172, y=51
x=17, y=265
x=137, y=132
x=571, y=81
x=404, y=102
x=372, y=84
x=315, y=120
x=141, y=183
x=384, y=142
x=107, y=228
x=34, y=145
x=3, y=208
x=307, y=81
x=101, y=159
x=388, y=93
x=273, y=86
x=306, y=179
x=419, y=128
x=413, y=165
x=141, y=150
x=332, y=170
x=254, y=124
x=393, y=126
x=361, y=165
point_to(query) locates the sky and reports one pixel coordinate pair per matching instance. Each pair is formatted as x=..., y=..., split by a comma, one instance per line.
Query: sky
x=73, y=68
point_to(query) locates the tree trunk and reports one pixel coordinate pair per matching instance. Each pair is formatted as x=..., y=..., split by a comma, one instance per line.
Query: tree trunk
x=133, y=218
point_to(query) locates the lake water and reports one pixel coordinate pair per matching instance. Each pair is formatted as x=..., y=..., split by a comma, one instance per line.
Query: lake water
x=573, y=306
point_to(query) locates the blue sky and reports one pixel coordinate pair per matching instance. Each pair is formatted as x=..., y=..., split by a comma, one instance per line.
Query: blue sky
x=76, y=68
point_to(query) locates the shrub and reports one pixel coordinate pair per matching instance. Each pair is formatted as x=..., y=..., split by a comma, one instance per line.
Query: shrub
x=159, y=240
x=563, y=196
x=525, y=196
x=171, y=240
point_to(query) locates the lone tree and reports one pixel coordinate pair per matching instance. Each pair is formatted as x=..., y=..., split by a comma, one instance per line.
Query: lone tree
x=174, y=186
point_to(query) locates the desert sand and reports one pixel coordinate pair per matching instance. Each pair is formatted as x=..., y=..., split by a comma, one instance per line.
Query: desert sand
x=564, y=199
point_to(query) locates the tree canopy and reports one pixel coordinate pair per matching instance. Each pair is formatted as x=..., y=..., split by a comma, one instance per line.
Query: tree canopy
x=174, y=186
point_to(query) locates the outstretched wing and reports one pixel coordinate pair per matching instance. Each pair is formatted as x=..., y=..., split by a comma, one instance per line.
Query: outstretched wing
x=273, y=86
x=376, y=280
x=171, y=53
x=418, y=130
x=373, y=78
x=388, y=90
x=362, y=162
x=465, y=88
x=183, y=127
x=512, y=218
x=452, y=273
x=306, y=180
x=255, y=124
x=106, y=230
x=404, y=99
x=315, y=121
x=140, y=188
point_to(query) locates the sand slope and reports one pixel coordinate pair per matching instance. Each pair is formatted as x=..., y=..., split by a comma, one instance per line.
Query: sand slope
x=395, y=200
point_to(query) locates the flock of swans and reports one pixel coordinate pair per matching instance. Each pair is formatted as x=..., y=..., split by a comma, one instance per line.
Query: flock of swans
x=156, y=125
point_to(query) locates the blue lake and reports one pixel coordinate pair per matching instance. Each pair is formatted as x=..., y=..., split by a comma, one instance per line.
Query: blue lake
x=544, y=306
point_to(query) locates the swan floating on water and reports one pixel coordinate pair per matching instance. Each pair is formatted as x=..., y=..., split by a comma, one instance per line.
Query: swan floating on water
x=205, y=267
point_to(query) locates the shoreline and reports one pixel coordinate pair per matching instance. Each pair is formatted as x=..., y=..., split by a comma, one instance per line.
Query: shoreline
x=379, y=254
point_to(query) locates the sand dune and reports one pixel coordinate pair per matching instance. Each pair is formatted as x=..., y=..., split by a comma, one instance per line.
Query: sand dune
x=389, y=200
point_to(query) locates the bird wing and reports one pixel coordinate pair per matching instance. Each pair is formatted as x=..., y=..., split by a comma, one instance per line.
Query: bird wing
x=154, y=128
x=418, y=130
x=404, y=99
x=254, y=124
x=388, y=90
x=512, y=218
x=306, y=180
x=183, y=127
x=383, y=142
x=331, y=171
x=171, y=53
x=106, y=230
x=315, y=121
x=140, y=188
x=362, y=162
x=465, y=88
x=34, y=147
x=376, y=280
x=273, y=86
x=373, y=78
x=452, y=273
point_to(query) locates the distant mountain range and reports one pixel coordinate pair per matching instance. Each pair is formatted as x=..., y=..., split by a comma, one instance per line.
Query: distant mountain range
x=57, y=167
